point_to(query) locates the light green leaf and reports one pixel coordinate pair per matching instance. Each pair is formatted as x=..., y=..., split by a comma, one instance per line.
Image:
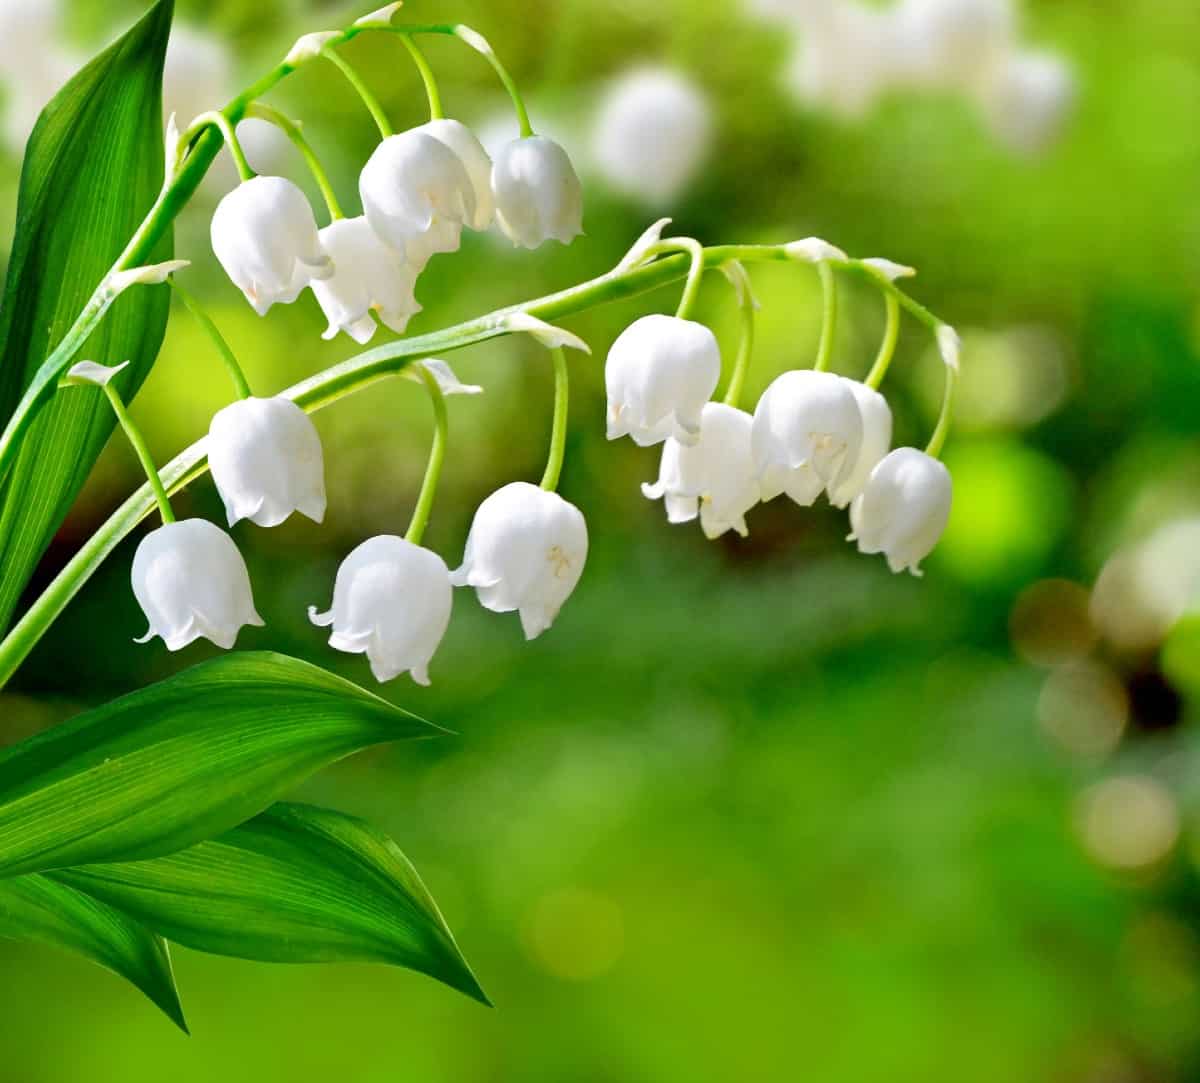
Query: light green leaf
x=37, y=908
x=93, y=168
x=182, y=760
x=296, y=884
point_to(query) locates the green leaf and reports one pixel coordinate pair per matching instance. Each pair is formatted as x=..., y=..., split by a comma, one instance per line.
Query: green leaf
x=182, y=760
x=295, y=885
x=93, y=168
x=37, y=908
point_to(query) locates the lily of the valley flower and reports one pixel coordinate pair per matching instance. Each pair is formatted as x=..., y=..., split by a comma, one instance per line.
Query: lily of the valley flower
x=537, y=192
x=660, y=372
x=876, y=441
x=807, y=435
x=460, y=139
x=368, y=276
x=191, y=582
x=903, y=510
x=525, y=551
x=265, y=236
x=265, y=456
x=714, y=479
x=417, y=195
x=391, y=602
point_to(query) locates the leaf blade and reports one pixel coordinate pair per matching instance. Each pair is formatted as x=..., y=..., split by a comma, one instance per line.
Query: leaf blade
x=296, y=884
x=182, y=760
x=92, y=169
x=39, y=909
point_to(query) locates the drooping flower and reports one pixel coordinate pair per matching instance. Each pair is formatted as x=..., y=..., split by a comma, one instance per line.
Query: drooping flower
x=660, y=372
x=903, y=510
x=369, y=276
x=417, y=195
x=876, y=441
x=191, y=582
x=652, y=133
x=1028, y=99
x=265, y=236
x=525, y=551
x=806, y=436
x=391, y=602
x=460, y=139
x=951, y=43
x=715, y=479
x=265, y=456
x=537, y=193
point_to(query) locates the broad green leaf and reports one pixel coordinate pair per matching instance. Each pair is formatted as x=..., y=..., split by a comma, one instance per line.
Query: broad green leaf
x=182, y=760
x=93, y=168
x=296, y=884
x=37, y=908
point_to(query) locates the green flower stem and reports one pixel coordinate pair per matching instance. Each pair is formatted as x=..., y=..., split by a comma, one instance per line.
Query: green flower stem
x=737, y=378
x=695, y=253
x=887, y=348
x=228, y=130
x=437, y=456
x=828, y=316
x=558, y=432
x=236, y=373
x=427, y=77
x=292, y=130
x=143, y=453
x=360, y=87
x=934, y=447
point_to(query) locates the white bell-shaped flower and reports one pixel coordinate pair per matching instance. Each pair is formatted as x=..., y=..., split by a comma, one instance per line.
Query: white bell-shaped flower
x=950, y=43
x=903, y=510
x=417, y=195
x=807, y=435
x=191, y=582
x=1028, y=100
x=714, y=479
x=265, y=457
x=391, y=602
x=876, y=442
x=368, y=276
x=525, y=551
x=660, y=372
x=265, y=236
x=460, y=139
x=537, y=193
x=652, y=133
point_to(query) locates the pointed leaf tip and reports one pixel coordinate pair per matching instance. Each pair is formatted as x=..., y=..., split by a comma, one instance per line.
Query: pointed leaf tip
x=546, y=333
x=381, y=17
x=887, y=269
x=813, y=250
x=309, y=46
x=445, y=377
x=89, y=372
x=949, y=345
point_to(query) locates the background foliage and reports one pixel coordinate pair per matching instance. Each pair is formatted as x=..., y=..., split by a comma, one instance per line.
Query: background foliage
x=756, y=807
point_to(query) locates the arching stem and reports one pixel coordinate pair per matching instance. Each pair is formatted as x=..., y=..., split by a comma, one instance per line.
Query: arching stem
x=228, y=131
x=741, y=283
x=142, y=451
x=361, y=89
x=437, y=455
x=934, y=447
x=427, y=77
x=695, y=251
x=887, y=348
x=235, y=370
x=828, y=316
x=292, y=130
x=558, y=433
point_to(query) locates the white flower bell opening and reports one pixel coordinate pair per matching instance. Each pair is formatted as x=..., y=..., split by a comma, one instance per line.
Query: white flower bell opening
x=265, y=236
x=191, y=582
x=538, y=195
x=460, y=139
x=807, y=435
x=652, y=134
x=369, y=276
x=265, y=456
x=391, y=602
x=417, y=195
x=715, y=479
x=660, y=372
x=525, y=551
x=876, y=442
x=903, y=510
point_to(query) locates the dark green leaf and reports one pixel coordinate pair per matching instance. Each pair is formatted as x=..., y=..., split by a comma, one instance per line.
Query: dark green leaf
x=295, y=885
x=182, y=760
x=92, y=170
x=37, y=908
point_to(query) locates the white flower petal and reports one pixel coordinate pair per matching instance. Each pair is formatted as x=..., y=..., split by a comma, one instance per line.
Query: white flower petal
x=903, y=510
x=537, y=192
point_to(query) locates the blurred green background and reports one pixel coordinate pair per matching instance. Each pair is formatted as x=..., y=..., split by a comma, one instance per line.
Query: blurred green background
x=758, y=809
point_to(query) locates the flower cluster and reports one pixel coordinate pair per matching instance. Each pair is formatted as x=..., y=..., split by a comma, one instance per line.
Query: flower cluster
x=849, y=54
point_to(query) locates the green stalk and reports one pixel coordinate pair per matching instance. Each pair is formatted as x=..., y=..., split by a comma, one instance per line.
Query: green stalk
x=228, y=131
x=558, y=431
x=236, y=373
x=427, y=77
x=360, y=87
x=733, y=393
x=695, y=251
x=437, y=456
x=138, y=443
x=292, y=130
x=887, y=348
x=934, y=447
x=828, y=316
